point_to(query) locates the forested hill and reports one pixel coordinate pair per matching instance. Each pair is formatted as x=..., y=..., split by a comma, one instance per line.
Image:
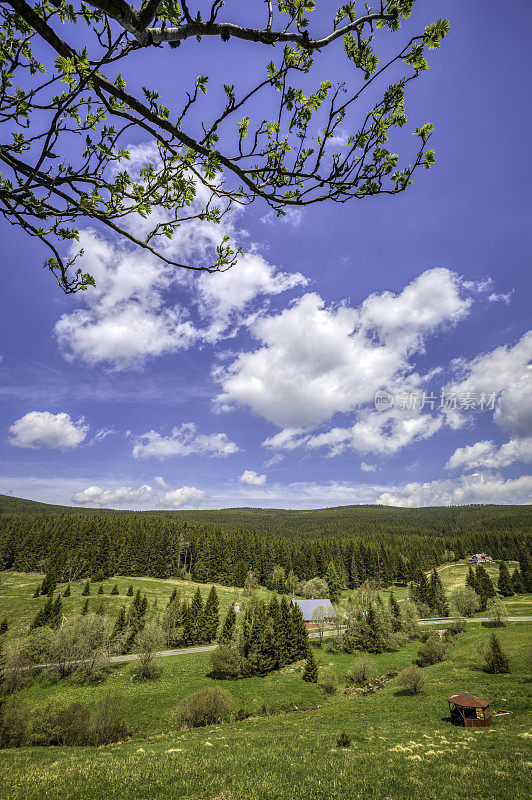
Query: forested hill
x=364, y=542
x=337, y=521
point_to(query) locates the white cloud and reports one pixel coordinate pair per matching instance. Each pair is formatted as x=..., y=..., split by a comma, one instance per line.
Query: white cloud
x=500, y=297
x=476, y=488
x=367, y=467
x=315, y=361
x=43, y=429
x=161, y=483
x=250, y=477
x=185, y=496
x=97, y=495
x=183, y=441
x=487, y=454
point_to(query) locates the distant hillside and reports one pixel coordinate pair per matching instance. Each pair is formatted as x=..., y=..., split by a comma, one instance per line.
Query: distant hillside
x=341, y=520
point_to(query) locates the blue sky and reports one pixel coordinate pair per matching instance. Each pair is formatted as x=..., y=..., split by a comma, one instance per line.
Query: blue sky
x=257, y=387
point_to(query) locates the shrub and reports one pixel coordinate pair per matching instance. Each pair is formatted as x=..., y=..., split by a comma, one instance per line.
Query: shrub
x=107, y=724
x=458, y=625
x=359, y=673
x=73, y=725
x=328, y=682
x=432, y=651
x=14, y=725
x=496, y=611
x=344, y=740
x=465, y=601
x=411, y=679
x=226, y=662
x=208, y=706
x=18, y=671
x=496, y=659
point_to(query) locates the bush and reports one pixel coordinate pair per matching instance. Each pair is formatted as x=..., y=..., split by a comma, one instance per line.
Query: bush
x=73, y=725
x=14, y=725
x=432, y=651
x=411, y=679
x=465, y=601
x=496, y=659
x=344, y=740
x=226, y=662
x=496, y=611
x=360, y=673
x=328, y=683
x=208, y=706
x=107, y=724
x=457, y=626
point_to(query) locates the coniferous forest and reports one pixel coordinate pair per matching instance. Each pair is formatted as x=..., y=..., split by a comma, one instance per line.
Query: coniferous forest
x=364, y=542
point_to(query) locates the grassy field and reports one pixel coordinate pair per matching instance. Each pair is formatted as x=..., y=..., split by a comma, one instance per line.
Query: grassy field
x=20, y=607
x=401, y=745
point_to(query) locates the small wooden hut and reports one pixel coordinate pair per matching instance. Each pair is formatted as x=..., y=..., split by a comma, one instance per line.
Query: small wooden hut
x=469, y=711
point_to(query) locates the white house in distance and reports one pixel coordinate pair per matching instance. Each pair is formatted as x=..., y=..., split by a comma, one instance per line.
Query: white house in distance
x=480, y=558
x=308, y=607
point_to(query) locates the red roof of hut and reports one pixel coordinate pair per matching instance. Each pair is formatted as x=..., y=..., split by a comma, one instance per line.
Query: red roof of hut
x=468, y=701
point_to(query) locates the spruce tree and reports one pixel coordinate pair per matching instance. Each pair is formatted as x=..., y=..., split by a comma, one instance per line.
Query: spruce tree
x=438, y=599
x=85, y=609
x=101, y=609
x=310, y=673
x=269, y=649
x=37, y=592
x=114, y=590
x=525, y=568
x=504, y=583
x=517, y=583
x=298, y=635
x=100, y=589
x=471, y=580
x=211, y=616
x=57, y=613
x=44, y=616
x=395, y=612
x=197, y=618
x=66, y=593
x=172, y=597
x=86, y=590
x=226, y=634
x=3, y=626
x=284, y=636
x=496, y=658
x=333, y=582
x=130, y=591
x=120, y=622
x=49, y=583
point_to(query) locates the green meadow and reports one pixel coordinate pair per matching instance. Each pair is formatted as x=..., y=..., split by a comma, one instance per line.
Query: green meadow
x=401, y=745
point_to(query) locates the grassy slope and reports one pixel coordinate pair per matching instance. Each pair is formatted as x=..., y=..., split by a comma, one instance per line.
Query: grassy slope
x=401, y=745
x=18, y=605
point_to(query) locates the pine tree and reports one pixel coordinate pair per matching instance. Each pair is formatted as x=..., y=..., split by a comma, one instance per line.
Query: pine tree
x=86, y=590
x=298, y=635
x=333, y=582
x=211, y=616
x=269, y=650
x=525, y=568
x=66, y=593
x=471, y=580
x=284, y=637
x=85, y=609
x=100, y=589
x=100, y=610
x=3, y=626
x=172, y=597
x=37, y=592
x=504, y=583
x=197, y=618
x=130, y=591
x=496, y=658
x=114, y=590
x=49, y=583
x=395, y=612
x=438, y=600
x=57, y=613
x=517, y=583
x=44, y=616
x=228, y=627
x=310, y=673
x=120, y=622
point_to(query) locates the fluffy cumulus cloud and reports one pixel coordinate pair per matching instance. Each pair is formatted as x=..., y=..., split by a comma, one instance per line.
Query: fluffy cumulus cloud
x=475, y=488
x=252, y=478
x=487, y=454
x=183, y=441
x=124, y=495
x=43, y=429
x=315, y=361
x=130, y=315
x=506, y=375
x=185, y=496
